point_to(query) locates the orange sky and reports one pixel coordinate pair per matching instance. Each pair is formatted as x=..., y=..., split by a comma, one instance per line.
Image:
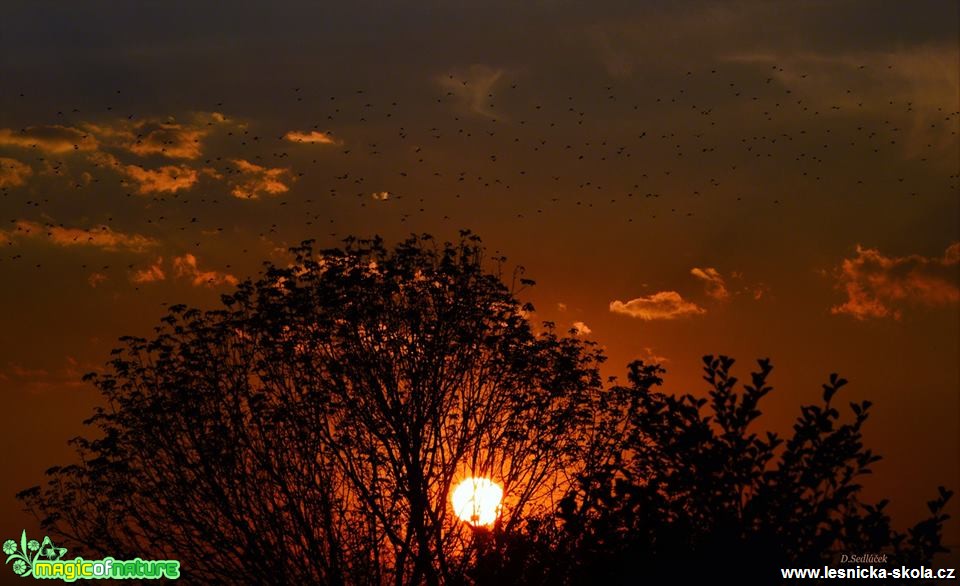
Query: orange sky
x=679, y=179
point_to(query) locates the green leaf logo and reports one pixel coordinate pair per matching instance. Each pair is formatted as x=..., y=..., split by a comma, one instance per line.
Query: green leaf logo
x=24, y=554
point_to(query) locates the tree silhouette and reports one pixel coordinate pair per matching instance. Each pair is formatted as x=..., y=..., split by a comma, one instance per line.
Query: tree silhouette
x=676, y=490
x=312, y=429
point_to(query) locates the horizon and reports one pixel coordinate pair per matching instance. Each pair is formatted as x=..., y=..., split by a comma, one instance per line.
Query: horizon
x=679, y=179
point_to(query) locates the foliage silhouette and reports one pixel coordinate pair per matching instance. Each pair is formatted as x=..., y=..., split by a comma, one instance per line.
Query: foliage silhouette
x=676, y=490
x=311, y=431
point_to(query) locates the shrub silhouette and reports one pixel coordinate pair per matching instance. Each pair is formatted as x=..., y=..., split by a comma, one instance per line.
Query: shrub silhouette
x=685, y=489
x=311, y=431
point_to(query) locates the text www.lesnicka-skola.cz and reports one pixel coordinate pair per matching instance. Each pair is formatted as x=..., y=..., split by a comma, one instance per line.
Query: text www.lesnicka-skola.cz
x=871, y=572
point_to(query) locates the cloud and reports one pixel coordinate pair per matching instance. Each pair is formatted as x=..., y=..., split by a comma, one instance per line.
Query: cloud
x=723, y=289
x=95, y=279
x=925, y=77
x=151, y=274
x=618, y=61
x=104, y=141
x=716, y=287
x=662, y=305
x=187, y=267
x=168, y=138
x=99, y=236
x=252, y=180
x=312, y=137
x=38, y=380
x=879, y=286
x=472, y=88
x=650, y=356
x=54, y=139
x=13, y=173
x=581, y=329
x=165, y=179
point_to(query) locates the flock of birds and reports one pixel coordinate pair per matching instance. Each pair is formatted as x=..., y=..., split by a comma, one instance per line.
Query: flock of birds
x=458, y=152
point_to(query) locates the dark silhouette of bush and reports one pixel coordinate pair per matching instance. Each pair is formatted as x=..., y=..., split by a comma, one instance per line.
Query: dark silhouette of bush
x=682, y=488
x=311, y=431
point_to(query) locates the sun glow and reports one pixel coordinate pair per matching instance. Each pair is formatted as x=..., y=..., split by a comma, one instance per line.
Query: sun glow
x=477, y=501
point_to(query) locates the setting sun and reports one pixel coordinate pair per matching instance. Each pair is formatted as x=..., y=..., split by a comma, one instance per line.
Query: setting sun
x=477, y=501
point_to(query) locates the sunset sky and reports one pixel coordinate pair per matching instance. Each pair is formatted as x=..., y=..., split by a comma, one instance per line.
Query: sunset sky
x=754, y=178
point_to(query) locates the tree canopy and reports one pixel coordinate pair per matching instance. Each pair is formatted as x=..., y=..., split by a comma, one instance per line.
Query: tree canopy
x=688, y=488
x=311, y=429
